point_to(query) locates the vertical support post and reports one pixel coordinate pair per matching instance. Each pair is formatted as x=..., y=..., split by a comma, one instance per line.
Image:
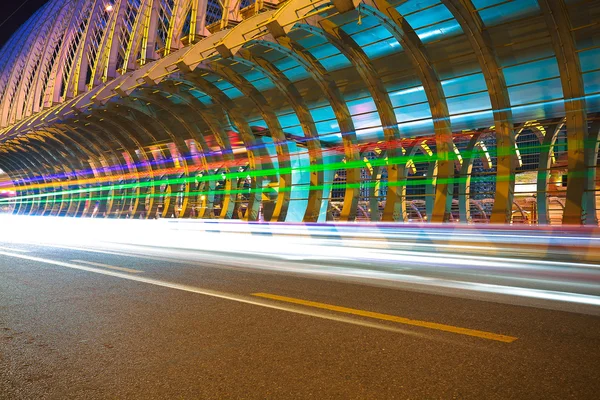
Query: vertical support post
x=560, y=29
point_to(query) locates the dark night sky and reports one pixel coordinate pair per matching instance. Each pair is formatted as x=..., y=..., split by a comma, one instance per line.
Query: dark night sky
x=22, y=9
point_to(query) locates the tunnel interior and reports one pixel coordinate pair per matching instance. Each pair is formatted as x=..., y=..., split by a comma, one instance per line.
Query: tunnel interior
x=306, y=111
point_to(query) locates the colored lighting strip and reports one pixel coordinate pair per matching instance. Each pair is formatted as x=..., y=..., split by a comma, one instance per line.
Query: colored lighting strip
x=403, y=160
x=45, y=198
x=339, y=150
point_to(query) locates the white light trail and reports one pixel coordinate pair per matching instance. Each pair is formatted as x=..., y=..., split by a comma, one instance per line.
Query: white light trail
x=533, y=265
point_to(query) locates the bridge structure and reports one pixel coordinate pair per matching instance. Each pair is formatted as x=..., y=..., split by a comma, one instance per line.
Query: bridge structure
x=305, y=110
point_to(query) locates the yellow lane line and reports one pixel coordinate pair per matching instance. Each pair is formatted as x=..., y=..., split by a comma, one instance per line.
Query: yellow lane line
x=213, y=293
x=133, y=271
x=392, y=318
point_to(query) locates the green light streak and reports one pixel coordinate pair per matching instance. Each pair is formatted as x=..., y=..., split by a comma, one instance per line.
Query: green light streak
x=402, y=161
x=247, y=191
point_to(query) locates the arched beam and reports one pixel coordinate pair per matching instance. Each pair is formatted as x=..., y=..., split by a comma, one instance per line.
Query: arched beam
x=560, y=29
x=543, y=172
x=200, y=115
x=42, y=155
x=115, y=124
x=420, y=60
x=351, y=50
x=328, y=86
x=85, y=144
x=110, y=128
x=238, y=119
x=289, y=90
x=75, y=153
x=29, y=205
x=481, y=42
x=276, y=132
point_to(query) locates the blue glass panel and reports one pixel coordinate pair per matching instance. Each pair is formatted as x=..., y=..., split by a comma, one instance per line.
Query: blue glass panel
x=213, y=11
x=333, y=138
x=232, y=93
x=327, y=127
x=550, y=109
x=322, y=113
x=296, y=74
x=271, y=54
x=469, y=103
x=398, y=84
x=429, y=16
x=438, y=31
x=251, y=74
x=325, y=120
x=368, y=120
x=176, y=100
x=411, y=113
x=289, y=121
x=259, y=122
x=472, y=120
x=590, y=59
x=361, y=106
x=408, y=96
x=203, y=98
x=294, y=130
x=324, y=50
x=220, y=83
x=357, y=95
x=538, y=91
x=305, y=38
x=533, y=71
x=464, y=84
x=373, y=35
x=263, y=84
x=300, y=184
x=367, y=21
x=285, y=63
x=593, y=103
x=336, y=62
x=416, y=128
x=381, y=49
x=591, y=82
x=508, y=12
x=370, y=134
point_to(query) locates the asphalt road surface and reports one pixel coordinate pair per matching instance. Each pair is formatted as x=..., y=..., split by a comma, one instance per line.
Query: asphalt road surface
x=136, y=322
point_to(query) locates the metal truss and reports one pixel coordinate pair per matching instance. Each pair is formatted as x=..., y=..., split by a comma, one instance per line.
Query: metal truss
x=304, y=110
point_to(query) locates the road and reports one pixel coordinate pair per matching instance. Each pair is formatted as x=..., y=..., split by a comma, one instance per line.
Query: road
x=132, y=321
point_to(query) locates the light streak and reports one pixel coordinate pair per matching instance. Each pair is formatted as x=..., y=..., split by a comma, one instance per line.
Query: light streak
x=267, y=172
x=161, y=162
x=500, y=261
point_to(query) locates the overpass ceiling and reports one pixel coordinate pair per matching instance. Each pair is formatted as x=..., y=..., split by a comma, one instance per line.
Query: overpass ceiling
x=71, y=48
